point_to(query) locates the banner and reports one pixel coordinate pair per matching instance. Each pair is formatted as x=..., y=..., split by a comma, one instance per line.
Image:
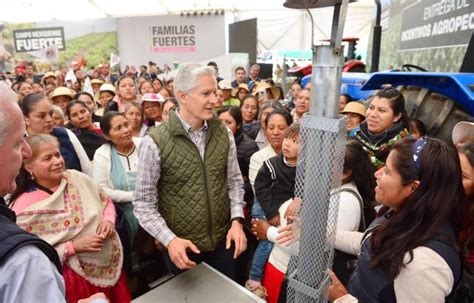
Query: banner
x=432, y=34
x=114, y=60
x=166, y=39
x=436, y=23
x=47, y=55
x=27, y=40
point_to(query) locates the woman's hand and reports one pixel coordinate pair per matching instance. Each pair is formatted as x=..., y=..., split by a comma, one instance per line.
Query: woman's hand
x=336, y=289
x=259, y=228
x=87, y=244
x=105, y=229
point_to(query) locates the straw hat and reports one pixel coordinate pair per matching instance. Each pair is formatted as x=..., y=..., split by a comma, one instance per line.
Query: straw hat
x=463, y=132
x=97, y=81
x=107, y=87
x=63, y=91
x=263, y=86
x=49, y=75
x=355, y=108
x=243, y=86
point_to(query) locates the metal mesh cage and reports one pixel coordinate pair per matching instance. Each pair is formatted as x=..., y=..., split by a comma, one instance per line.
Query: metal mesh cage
x=319, y=170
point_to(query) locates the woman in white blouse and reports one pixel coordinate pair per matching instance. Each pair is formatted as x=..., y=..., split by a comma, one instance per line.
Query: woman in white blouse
x=115, y=167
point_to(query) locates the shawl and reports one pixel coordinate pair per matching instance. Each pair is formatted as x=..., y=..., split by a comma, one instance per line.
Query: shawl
x=75, y=210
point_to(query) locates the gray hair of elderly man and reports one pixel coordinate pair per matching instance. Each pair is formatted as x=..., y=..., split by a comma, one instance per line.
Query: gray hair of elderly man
x=188, y=74
x=7, y=99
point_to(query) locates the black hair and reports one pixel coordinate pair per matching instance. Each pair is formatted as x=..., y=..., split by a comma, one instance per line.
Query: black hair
x=438, y=199
x=71, y=104
x=417, y=125
x=83, y=93
x=106, y=123
x=286, y=115
x=357, y=161
x=348, y=97
x=29, y=101
x=397, y=103
x=234, y=111
x=239, y=68
x=172, y=100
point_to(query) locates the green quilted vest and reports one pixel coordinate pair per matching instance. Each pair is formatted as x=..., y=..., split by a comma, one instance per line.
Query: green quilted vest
x=192, y=194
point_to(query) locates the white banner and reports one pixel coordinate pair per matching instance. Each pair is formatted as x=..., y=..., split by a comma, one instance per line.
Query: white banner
x=166, y=39
x=114, y=60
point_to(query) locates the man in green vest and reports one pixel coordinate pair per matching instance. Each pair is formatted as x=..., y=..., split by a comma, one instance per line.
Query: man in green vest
x=189, y=190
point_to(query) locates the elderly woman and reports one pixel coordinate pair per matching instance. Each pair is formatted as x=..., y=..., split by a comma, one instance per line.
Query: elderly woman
x=134, y=114
x=88, y=134
x=38, y=117
x=67, y=209
x=385, y=124
x=115, y=168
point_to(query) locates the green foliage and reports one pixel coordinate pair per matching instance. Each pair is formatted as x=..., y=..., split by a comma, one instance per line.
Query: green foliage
x=94, y=47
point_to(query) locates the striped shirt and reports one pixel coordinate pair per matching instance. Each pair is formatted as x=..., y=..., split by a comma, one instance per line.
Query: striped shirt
x=145, y=198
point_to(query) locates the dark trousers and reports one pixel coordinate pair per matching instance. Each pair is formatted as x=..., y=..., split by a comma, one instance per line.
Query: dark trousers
x=221, y=259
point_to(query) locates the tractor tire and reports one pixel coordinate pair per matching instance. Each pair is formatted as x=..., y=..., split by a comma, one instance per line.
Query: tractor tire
x=438, y=112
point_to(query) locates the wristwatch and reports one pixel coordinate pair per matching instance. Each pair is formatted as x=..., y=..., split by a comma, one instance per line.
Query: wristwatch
x=238, y=219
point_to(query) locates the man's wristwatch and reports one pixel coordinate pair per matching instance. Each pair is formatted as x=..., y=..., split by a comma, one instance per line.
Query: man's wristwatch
x=238, y=219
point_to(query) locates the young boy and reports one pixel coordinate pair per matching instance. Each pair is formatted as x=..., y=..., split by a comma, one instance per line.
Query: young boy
x=274, y=185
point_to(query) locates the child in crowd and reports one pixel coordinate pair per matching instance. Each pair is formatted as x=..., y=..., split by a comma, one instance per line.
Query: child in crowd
x=417, y=128
x=274, y=185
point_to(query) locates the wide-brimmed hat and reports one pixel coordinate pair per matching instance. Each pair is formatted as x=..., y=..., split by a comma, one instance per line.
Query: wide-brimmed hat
x=263, y=86
x=97, y=81
x=63, y=91
x=225, y=84
x=152, y=97
x=463, y=132
x=107, y=87
x=355, y=108
x=243, y=86
x=49, y=75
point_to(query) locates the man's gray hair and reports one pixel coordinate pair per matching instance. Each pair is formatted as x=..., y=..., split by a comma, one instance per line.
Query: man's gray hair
x=7, y=98
x=188, y=74
x=256, y=66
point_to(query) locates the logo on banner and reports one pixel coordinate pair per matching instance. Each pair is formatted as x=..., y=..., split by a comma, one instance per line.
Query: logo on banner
x=35, y=39
x=437, y=23
x=173, y=38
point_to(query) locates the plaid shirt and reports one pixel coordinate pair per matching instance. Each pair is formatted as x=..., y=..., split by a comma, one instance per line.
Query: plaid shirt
x=145, y=198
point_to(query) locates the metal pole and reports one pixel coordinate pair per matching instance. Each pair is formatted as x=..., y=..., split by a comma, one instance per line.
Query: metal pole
x=323, y=148
x=283, y=76
x=374, y=65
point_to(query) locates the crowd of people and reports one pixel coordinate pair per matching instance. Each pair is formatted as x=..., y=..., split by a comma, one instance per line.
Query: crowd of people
x=115, y=187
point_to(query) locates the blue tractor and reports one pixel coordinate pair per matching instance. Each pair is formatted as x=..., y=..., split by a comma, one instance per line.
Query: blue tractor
x=439, y=100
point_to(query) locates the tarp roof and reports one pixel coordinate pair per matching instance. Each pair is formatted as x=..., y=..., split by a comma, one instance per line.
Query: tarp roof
x=20, y=11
